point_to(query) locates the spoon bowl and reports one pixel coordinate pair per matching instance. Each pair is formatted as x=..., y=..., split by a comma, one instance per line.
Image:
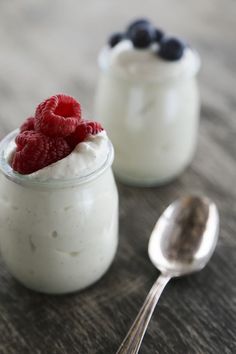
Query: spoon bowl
x=185, y=236
x=182, y=242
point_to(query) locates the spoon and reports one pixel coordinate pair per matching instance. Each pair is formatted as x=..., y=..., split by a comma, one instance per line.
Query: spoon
x=182, y=242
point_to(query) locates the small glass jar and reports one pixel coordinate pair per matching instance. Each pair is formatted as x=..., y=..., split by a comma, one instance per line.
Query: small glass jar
x=152, y=123
x=57, y=236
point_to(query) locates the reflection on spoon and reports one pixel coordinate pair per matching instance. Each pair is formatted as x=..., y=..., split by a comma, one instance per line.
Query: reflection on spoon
x=182, y=242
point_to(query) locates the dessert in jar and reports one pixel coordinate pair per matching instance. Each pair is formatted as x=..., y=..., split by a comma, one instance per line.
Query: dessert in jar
x=58, y=199
x=148, y=101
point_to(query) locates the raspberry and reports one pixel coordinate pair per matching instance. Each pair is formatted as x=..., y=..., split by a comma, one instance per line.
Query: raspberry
x=28, y=124
x=35, y=151
x=58, y=116
x=84, y=128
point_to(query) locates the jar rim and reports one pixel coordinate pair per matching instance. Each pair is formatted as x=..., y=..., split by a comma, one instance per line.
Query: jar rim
x=103, y=64
x=26, y=181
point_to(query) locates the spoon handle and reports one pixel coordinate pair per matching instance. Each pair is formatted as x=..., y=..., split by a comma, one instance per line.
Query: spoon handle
x=134, y=337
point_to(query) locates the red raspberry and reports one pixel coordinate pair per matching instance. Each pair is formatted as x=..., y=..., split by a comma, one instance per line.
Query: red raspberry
x=58, y=116
x=35, y=151
x=28, y=124
x=84, y=128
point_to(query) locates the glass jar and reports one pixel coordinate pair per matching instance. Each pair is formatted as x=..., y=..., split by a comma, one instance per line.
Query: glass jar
x=152, y=123
x=57, y=236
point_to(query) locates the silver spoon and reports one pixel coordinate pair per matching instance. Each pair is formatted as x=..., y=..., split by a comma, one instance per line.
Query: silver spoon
x=182, y=242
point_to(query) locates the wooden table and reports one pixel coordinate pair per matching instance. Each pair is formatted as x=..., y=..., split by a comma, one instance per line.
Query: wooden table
x=51, y=46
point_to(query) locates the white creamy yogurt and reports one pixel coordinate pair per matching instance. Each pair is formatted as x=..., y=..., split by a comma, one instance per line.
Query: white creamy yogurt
x=87, y=157
x=59, y=225
x=145, y=64
x=150, y=109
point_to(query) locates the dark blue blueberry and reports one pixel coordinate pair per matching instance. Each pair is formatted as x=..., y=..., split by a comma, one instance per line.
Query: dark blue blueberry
x=171, y=49
x=142, y=35
x=136, y=23
x=115, y=38
x=159, y=35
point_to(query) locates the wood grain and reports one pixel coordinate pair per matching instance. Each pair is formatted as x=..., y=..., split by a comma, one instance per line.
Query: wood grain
x=51, y=46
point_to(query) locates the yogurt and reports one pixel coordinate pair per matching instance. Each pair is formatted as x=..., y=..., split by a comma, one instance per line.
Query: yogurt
x=126, y=61
x=87, y=157
x=150, y=109
x=59, y=225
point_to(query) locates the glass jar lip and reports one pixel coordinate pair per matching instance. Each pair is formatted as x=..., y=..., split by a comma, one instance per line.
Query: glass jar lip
x=104, y=66
x=26, y=181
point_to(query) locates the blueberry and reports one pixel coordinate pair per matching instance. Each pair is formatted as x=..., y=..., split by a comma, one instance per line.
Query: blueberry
x=171, y=49
x=159, y=35
x=115, y=38
x=136, y=23
x=142, y=35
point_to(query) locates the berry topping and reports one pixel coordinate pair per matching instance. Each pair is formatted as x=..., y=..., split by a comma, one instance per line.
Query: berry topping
x=28, y=124
x=58, y=116
x=84, y=129
x=135, y=24
x=142, y=35
x=171, y=49
x=115, y=38
x=52, y=135
x=159, y=35
x=35, y=151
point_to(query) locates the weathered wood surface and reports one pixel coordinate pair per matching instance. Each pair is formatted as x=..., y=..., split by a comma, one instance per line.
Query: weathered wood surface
x=51, y=46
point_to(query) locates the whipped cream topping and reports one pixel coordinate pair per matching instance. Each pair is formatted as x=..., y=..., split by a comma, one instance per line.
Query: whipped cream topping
x=141, y=64
x=86, y=158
